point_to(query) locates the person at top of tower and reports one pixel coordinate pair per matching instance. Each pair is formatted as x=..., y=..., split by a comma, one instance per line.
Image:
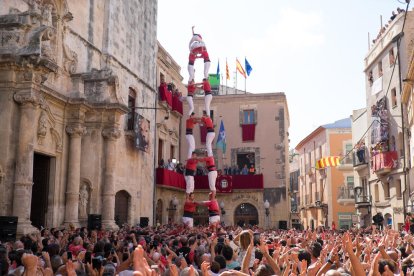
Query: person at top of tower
x=198, y=49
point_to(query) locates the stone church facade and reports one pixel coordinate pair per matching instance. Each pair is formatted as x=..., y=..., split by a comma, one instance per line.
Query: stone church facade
x=73, y=75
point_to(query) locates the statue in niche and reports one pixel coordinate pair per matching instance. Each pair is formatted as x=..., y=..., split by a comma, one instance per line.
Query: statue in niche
x=83, y=201
x=47, y=15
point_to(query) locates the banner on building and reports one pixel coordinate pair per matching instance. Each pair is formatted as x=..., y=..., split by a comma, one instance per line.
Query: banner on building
x=142, y=133
x=330, y=161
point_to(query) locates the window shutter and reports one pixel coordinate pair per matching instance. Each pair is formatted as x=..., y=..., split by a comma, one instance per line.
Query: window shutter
x=255, y=116
x=241, y=116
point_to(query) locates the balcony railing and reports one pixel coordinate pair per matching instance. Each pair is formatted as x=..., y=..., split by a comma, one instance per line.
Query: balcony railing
x=346, y=193
x=173, y=179
x=362, y=199
x=384, y=162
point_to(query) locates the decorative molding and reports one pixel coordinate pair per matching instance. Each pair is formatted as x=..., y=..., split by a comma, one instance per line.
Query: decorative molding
x=41, y=128
x=111, y=133
x=24, y=98
x=76, y=130
x=58, y=139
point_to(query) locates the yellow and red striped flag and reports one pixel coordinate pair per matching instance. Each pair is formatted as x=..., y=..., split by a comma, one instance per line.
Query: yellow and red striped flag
x=239, y=68
x=227, y=71
x=330, y=161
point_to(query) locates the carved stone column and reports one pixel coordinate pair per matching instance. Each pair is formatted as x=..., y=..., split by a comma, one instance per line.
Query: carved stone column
x=75, y=131
x=108, y=192
x=23, y=178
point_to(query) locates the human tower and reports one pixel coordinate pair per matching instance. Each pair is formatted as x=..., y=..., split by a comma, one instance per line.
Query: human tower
x=198, y=50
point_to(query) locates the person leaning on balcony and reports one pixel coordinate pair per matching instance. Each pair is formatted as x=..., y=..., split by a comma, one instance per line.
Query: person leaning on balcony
x=252, y=170
x=361, y=152
x=245, y=170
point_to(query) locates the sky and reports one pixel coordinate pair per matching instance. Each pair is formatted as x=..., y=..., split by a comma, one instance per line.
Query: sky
x=312, y=50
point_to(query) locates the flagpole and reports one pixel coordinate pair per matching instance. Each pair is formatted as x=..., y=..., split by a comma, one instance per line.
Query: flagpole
x=245, y=77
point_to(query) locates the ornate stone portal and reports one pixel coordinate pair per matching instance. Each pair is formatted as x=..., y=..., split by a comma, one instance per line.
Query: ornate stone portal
x=54, y=103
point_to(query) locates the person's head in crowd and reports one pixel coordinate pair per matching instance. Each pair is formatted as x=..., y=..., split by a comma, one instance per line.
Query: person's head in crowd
x=227, y=252
x=186, y=272
x=56, y=262
x=245, y=239
x=218, y=248
x=220, y=259
x=283, y=242
x=316, y=249
x=99, y=247
x=304, y=255
x=18, y=245
x=53, y=249
x=258, y=254
x=264, y=270
x=215, y=267
x=386, y=267
x=109, y=270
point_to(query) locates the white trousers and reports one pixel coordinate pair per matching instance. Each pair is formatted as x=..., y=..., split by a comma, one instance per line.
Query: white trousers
x=189, y=184
x=190, y=105
x=209, y=140
x=191, y=71
x=206, y=69
x=191, y=144
x=212, y=176
x=207, y=101
x=189, y=222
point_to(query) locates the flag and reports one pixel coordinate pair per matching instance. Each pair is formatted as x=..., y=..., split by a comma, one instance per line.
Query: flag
x=331, y=161
x=218, y=70
x=239, y=68
x=247, y=66
x=227, y=71
x=221, y=140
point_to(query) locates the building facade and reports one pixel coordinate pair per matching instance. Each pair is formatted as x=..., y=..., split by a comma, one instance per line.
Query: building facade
x=293, y=191
x=256, y=127
x=386, y=64
x=408, y=101
x=71, y=77
x=327, y=194
x=360, y=162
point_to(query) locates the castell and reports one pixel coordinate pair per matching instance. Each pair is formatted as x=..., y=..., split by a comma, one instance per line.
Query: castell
x=198, y=50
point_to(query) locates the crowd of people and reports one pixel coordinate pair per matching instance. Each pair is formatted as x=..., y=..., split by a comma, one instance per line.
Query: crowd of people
x=394, y=14
x=178, y=250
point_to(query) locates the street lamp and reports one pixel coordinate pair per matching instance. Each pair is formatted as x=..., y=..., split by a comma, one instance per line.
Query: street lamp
x=266, y=206
x=222, y=208
x=174, y=202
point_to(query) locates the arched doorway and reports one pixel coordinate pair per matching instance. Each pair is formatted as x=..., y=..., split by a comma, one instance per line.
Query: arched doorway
x=122, y=200
x=246, y=214
x=158, y=212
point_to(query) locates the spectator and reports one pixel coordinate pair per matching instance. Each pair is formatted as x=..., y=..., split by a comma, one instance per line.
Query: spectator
x=245, y=170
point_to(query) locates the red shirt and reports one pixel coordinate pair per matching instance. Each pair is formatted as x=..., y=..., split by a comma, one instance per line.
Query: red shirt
x=206, y=86
x=211, y=166
x=190, y=206
x=212, y=205
x=191, y=89
x=207, y=122
x=191, y=164
x=189, y=123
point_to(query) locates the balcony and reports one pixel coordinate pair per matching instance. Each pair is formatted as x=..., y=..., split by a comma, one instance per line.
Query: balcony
x=384, y=162
x=175, y=180
x=346, y=195
x=360, y=159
